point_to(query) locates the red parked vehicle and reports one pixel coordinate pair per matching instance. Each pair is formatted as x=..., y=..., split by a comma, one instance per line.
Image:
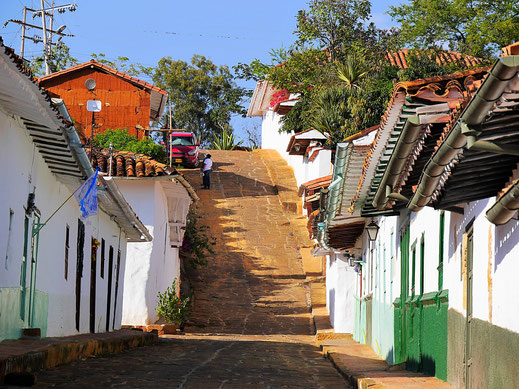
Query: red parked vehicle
x=184, y=149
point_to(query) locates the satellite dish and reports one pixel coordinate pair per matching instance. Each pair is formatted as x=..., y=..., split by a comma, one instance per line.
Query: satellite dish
x=90, y=84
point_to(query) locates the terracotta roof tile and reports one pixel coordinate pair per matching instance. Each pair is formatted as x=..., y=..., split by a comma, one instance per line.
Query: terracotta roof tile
x=444, y=57
x=512, y=49
x=318, y=183
x=455, y=88
x=129, y=164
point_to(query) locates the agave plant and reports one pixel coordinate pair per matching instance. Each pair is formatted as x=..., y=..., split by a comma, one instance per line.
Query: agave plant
x=226, y=141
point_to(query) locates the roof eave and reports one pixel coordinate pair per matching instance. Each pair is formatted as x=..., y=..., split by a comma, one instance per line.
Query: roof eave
x=476, y=111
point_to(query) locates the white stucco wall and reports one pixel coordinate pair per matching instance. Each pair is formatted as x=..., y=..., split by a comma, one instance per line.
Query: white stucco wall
x=340, y=291
x=495, y=266
x=151, y=266
x=25, y=171
x=304, y=170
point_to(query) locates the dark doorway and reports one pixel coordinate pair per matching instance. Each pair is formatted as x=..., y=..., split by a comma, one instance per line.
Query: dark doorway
x=109, y=293
x=79, y=267
x=116, y=284
x=93, y=276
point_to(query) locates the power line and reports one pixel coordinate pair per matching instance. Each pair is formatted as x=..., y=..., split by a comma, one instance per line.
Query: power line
x=45, y=12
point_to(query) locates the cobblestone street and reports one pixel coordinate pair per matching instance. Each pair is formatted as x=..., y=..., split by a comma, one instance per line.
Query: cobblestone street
x=250, y=326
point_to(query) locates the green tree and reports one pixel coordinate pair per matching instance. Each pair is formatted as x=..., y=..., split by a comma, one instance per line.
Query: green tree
x=122, y=64
x=59, y=59
x=204, y=96
x=333, y=24
x=475, y=27
x=122, y=141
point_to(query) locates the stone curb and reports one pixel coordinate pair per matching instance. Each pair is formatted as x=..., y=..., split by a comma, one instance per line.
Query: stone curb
x=58, y=351
x=357, y=380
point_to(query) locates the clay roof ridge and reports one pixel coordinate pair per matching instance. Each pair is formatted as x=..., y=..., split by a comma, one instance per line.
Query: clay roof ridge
x=99, y=65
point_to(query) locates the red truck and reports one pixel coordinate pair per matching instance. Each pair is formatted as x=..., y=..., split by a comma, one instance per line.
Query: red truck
x=184, y=149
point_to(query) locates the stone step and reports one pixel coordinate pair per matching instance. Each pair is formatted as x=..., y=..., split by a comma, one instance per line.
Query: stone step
x=30, y=355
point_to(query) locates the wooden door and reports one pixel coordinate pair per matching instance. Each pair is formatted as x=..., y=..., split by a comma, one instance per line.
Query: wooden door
x=109, y=289
x=93, y=276
x=79, y=268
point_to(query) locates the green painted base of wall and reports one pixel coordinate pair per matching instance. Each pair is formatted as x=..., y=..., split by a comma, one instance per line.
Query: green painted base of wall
x=11, y=324
x=424, y=347
x=494, y=354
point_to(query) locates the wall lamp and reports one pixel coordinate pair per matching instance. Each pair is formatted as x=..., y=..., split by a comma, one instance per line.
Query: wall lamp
x=372, y=230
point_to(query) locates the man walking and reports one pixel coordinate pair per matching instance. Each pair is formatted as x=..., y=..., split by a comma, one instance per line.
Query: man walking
x=207, y=166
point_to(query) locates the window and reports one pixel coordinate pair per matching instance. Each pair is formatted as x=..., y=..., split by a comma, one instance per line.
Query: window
x=102, y=258
x=182, y=141
x=67, y=247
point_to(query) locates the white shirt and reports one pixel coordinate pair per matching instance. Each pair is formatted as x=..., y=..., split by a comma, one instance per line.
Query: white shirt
x=208, y=164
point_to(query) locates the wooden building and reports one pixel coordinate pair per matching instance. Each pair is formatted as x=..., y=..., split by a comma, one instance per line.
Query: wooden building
x=127, y=102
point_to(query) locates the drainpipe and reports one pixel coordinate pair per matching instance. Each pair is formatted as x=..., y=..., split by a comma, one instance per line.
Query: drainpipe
x=321, y=223
x=505, y=208
x=503, y=71
x=339, y=169
x=74, y=140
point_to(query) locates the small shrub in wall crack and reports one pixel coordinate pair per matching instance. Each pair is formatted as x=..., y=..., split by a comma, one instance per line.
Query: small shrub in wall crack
x=197, y=243
x=172, y=308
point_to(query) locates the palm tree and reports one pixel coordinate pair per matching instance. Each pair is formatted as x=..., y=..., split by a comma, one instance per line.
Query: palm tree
x=352, y=71
x=332, y=111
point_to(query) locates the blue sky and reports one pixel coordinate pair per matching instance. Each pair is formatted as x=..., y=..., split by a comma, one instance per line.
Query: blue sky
x=226, y=31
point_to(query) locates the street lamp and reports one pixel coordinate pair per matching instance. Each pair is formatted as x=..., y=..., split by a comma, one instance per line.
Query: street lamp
x=372, y=230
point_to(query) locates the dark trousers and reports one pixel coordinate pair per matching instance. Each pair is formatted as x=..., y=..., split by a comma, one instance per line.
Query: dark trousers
x=207, y=179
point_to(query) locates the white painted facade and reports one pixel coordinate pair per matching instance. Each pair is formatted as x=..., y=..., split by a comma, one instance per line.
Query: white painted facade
x=24, y=171
x=340, y=291
x=304, y=170
x=495, y=266
x=162, y=205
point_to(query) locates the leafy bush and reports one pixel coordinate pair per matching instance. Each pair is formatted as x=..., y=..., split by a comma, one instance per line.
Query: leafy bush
x=121, y=140
x=172, y=308
x=197, y=242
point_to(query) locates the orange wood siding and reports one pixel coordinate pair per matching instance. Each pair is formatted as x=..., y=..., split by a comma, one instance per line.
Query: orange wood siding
x=123, y=104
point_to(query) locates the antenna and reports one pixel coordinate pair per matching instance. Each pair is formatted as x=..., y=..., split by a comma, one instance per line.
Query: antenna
x=90, y=84
x=44, y=13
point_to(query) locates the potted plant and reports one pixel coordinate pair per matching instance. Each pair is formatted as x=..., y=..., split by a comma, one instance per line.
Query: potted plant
x=173, y=308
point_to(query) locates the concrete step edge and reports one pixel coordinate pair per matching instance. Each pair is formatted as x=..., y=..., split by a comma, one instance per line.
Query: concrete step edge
x=60, y=353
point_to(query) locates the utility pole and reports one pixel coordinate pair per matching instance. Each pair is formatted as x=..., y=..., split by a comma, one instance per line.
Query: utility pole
x=23, y=31
x=47, y=39
x=45, y=46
